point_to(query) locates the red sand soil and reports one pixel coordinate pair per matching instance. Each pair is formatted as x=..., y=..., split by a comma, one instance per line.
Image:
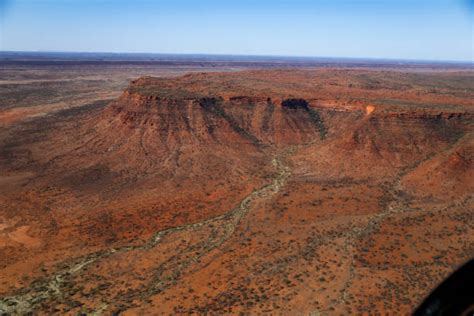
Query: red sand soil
x=272, y=191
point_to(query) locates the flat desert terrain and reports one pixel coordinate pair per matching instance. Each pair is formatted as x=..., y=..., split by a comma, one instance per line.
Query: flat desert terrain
x=219, y=187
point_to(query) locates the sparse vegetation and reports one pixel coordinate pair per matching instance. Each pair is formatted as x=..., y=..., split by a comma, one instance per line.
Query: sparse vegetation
x=201, y=194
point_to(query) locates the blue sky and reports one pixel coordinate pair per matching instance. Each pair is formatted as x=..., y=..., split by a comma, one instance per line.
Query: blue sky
x=399, y=29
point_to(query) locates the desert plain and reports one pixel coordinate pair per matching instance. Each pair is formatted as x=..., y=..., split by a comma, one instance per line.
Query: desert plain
x=226, y=187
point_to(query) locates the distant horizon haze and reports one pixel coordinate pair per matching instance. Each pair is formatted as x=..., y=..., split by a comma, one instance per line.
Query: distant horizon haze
x=5, y=54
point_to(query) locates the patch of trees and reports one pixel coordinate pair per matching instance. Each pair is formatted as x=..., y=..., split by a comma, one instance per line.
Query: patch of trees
x=295, y=104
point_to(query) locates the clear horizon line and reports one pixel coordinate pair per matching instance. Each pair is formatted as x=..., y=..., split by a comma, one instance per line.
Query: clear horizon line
x=392, y=59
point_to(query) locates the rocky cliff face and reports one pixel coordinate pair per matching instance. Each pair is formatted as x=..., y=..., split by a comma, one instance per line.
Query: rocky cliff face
x=257, y=121
x=172, y=114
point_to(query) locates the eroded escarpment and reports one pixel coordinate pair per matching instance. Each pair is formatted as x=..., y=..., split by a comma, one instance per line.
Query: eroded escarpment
x=205, y=113
x=254, y=192
x=206, y=119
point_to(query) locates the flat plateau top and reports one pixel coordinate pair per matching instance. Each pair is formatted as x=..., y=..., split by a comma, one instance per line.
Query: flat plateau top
x=429, y=90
